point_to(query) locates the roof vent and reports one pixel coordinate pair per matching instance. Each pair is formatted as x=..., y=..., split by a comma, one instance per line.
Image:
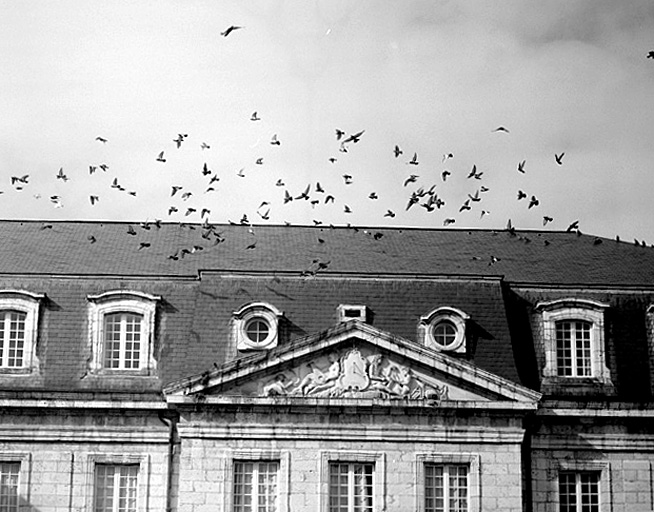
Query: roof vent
x=351, y=312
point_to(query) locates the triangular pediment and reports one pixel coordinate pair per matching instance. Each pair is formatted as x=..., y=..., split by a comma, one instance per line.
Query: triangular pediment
x=353, y=361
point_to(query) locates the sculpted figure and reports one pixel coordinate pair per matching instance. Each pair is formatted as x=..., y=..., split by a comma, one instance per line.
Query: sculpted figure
x=317, y=379
x=277, y=387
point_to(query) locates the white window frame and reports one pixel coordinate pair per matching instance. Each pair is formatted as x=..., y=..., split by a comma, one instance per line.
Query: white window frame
x=118, y=474
x=143, y=477
x=378, y=478
x=587, y=466
x=344, y=313
x=24, y=473
x=262, y=311
x=454, y=316
x=585, y=310
x=282, y=457
x=122, y=301
x=28, y=303
x=472, y=461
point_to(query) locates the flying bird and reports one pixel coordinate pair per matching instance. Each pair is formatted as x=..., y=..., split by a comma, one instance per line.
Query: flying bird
x=20, y=179
x=445, y=174
x=447, y=156
x=319, y=188
x=465, y=205
x=559, y=158
x=573, y=226
x=274, y=141
x=347, y=209
x=240, y=173
x=475, y=198
x=546, y=219
x=229, y=30
x=255, y=117
x=521, y=166
x=130, y=230
x=205, y=211
x=448, y=221
x=161, y=158
x=373, y=195
x=650, y=55
x=101, y=139
x=144, y=245
x=414, y=160
x=411, y=179
x=205, y=170
x=397, y=151
x=61, y=175
x=92, y=169
x=474, y=173
x=501, y=129
x=93, y=199
x=305, y=195
x=356, y=137
x=389, y=213
x=348, y=179
x=287, y=197
x=186, y=195
x=104, y=167
x=339, y=134
x=266, y=215
x=179, y=140
x=332, y=159
x=329, y=198
x=521, y=195
x=533, y=202
x=175, y=190
x=204, y=145
x=259, y=161
x=279, y=183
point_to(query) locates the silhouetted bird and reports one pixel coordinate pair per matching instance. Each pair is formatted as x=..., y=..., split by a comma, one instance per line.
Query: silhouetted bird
x=229, y=30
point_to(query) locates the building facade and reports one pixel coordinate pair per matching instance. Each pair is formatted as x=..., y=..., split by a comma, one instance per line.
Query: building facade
x=193, y=368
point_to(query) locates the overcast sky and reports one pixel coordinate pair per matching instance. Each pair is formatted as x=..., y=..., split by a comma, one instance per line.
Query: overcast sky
x=433, y=77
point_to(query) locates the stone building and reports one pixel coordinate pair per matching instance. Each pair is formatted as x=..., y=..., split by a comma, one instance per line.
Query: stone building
x=199, y=368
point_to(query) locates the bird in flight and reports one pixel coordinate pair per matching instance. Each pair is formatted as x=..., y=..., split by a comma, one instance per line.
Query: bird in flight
x=255, y=117
x=447, y=156
x=305, y=194
x=179, y=140
x=501, y=129
x=279, y=183
x=445, y=174
x=465, y=205
x=397, y=151
x=475, y=198
x=186, y=195
x=20, y=179
x=287, y=197
x=161, y=158
x=533, y=202
x=61, y=175
x=347, y=178
x=259, y=161
x=319, y=188
x=175, y=190
x=347, y=209
x=93, y=199
x=229, y=30
x=474, y=173
x=546, y=219
x=275, y=141
x=240, y=173
x=373, y=195
x=339, y=134
x=650, y=55
x=389, y=213
x=332, y=159
x=521, y=166
x=356, y=137
x=559, y=158
x=573, y=226
x=411, y=179
x=414, y=160
x=204, y=145
x=101, y=139
x=521, y=195
x=448, y=221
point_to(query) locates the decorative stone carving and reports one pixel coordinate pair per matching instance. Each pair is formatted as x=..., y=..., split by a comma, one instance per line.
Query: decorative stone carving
x=352, y=375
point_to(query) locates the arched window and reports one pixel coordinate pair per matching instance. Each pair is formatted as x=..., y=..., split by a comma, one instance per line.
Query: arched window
x=19, y=314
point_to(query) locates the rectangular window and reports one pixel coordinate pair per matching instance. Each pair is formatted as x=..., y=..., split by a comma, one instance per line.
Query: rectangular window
x=579, y=491
x=255, y=486
x=350, y=487
x=9, y=472
x=446, y=487
x=115, y=487
x=573, y=348
x=12, y=338
x=122, y=341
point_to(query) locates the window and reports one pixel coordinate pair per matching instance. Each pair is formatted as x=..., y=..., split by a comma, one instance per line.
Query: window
x=255, y=486
x=579, y=491
x=351, y=487
x=446, y=487
x=349, y=312
x=116, y=487
x=448, y=482
x=255, y=326
x=19, y=313
x=121, y=332
x=9, y=475
x=572, y=346
x=444, y=329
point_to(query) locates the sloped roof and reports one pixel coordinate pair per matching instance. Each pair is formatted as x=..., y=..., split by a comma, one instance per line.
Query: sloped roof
x=530, y=257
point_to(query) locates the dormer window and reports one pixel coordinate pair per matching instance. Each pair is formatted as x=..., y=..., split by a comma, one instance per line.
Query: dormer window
x=256, y=326
x=350, y=312
x=573, y=342
x=444, y=329
x=121, y=332
x=19, y=314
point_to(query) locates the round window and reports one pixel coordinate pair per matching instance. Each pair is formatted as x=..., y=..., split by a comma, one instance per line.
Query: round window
x=257, y=330
x=444, y=333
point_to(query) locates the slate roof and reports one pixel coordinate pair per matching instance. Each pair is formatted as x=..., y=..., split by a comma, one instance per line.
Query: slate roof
x=529, y=257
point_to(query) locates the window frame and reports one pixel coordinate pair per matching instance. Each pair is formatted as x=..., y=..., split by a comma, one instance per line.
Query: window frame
x=24, y=473
x=29, y=304
x=116, y=480
x=282, y=457
x=471, y=460
x=570, y=310
x=123, y=301
x=92, y=460
x=261, y=311
x=457, y=318
x=601, y=468
x=361, y=457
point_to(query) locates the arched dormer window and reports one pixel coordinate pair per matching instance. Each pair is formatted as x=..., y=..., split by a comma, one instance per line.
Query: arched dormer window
x=256, y=326
x=19, y=318
x=444, y=329
x=573, y=342
x=121, y=332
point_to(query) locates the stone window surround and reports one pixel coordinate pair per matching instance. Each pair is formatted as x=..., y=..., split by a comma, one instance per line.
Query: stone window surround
x=25, y=459
x=457, y=317
x=474, y=476
x=90, y=461
x=28, y=303
x=577, y=466
x=283, y=480
x=259, y=310
x=344, y=310
x=586, y=310
x=379, y=475
x=122, y=301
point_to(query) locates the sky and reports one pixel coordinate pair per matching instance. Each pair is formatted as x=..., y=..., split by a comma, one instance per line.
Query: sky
x=435, y=78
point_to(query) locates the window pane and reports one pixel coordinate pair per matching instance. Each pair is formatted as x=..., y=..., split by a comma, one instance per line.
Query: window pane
x=351, y=487
x=122, y=341
x=9, y=472
x=116, y=487
x=255, y=486
x=12, y=338
x=573, y=348
x=579, y=492
x=446, y=487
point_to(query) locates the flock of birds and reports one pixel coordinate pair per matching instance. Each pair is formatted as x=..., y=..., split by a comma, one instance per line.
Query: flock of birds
x=417, y=196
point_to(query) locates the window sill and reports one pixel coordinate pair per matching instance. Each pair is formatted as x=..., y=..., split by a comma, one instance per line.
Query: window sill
x=577, y=386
